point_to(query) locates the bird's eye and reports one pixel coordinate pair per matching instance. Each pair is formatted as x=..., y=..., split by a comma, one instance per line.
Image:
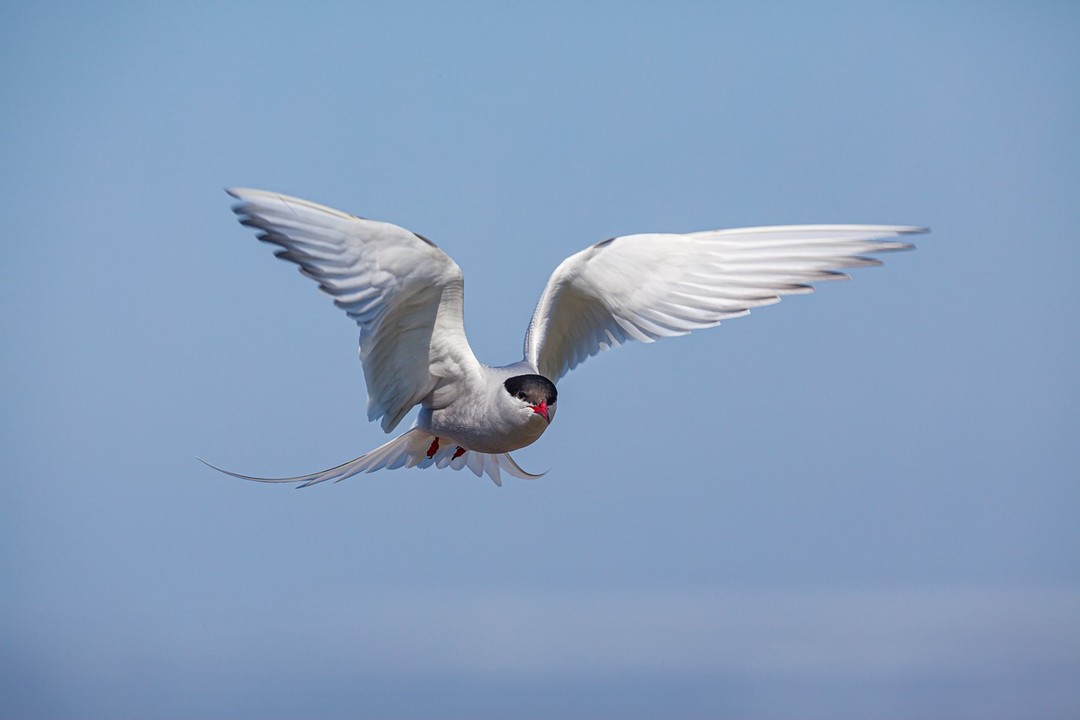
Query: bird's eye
x=521, y=396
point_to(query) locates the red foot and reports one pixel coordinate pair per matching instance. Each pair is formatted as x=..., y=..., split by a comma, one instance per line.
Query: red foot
x=458, y=453
x=434, y=448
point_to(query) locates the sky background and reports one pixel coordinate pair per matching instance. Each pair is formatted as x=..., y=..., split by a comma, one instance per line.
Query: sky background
x=857, y=504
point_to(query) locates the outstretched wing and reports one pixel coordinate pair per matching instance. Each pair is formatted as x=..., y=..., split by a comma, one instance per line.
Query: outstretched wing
x=404, y=293
x=645, y=287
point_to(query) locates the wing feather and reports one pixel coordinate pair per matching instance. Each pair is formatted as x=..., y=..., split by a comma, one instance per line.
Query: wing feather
x=404, y=292
x=646, y=287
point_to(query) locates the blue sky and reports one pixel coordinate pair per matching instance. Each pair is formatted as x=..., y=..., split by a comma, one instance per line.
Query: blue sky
x=860, y=503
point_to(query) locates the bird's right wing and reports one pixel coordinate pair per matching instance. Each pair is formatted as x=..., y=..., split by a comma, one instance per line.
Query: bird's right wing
x=645, y=287
x=404, y=293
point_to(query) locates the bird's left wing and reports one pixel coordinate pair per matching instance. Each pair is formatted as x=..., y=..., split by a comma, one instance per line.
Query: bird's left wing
x=645, y=287
x=404, y=292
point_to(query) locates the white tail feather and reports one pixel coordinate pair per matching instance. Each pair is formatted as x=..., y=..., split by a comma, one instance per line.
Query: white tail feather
x=407, y=450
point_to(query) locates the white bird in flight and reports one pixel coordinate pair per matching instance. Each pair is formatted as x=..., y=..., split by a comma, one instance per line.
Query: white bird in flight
x=406, y=295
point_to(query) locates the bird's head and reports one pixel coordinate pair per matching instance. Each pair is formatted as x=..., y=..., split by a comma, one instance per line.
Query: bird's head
x=534, y=393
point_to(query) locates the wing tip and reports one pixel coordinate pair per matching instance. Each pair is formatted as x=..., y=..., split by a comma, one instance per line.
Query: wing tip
x=245, y=193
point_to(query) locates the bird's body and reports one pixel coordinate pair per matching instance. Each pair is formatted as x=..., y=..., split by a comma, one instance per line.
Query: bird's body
x=407, y=297
x=485, y=418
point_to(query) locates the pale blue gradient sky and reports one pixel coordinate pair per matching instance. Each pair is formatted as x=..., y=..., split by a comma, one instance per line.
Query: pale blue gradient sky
x=858, y=504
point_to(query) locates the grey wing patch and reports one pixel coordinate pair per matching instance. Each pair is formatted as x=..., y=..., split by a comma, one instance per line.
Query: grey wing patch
x=605, y=243
x=424, y=239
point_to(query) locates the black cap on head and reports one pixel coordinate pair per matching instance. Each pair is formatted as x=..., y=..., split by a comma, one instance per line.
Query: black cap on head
x=534, y=389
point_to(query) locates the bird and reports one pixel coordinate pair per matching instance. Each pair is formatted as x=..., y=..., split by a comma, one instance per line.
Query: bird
x=406, y=295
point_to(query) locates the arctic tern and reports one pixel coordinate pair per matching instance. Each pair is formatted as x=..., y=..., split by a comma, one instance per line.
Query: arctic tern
x=406, y=295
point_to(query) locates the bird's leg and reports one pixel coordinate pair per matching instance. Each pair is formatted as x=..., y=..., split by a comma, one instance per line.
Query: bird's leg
x=434, y=448
x=458, y=453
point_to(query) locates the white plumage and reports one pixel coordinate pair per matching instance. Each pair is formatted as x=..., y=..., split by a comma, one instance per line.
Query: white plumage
x=406, y=295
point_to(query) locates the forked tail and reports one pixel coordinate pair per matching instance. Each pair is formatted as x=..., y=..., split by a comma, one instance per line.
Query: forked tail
x=408, y=450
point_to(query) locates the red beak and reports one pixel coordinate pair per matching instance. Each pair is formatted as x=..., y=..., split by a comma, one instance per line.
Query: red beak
x=541, y=409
